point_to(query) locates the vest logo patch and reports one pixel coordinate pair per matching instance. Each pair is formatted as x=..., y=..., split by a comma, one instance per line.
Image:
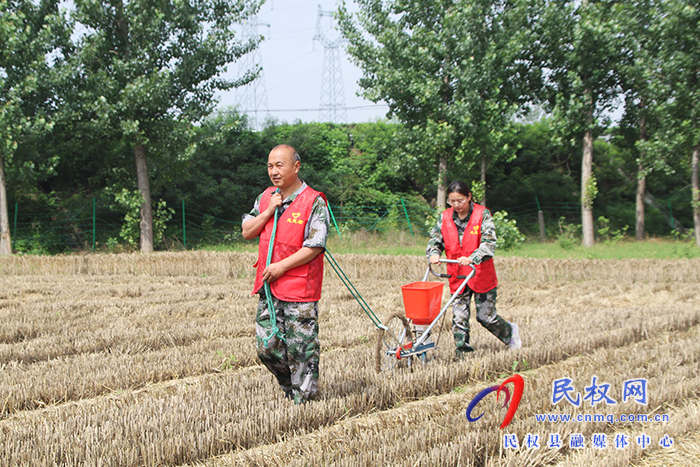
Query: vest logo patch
x=475, y=230
x=295, y=218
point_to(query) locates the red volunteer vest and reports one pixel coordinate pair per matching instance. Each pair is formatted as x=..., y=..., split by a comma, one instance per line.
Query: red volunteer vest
x=302, y=283
x=485, y=277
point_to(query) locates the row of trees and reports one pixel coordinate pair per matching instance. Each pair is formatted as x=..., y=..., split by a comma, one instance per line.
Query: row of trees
x=365, y=166
x=110, y=97
x=119, y=78
x=455, y=73
x=361, y=169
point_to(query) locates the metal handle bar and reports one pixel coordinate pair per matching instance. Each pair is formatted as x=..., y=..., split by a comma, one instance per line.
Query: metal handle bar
x=447, y=276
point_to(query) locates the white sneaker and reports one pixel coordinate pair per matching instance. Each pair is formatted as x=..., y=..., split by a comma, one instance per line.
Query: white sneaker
x=515, y=337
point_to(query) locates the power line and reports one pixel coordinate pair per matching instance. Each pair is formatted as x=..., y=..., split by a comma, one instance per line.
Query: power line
x=357, y=107
x=295, y=78
x=283, y=65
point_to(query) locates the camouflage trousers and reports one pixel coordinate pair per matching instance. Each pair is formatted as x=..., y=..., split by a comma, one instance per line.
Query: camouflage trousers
x=295, y=362
x=485, y=314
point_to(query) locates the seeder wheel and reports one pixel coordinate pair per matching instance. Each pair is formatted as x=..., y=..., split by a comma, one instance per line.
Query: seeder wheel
x=398, y=334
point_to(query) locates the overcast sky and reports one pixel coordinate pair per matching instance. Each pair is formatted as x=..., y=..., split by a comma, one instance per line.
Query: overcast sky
x=293, y=64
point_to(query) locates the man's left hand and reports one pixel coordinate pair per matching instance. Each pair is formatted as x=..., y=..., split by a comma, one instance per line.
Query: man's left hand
x=273, y=272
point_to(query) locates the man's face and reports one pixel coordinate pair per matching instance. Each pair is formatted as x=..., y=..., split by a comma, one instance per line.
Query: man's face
x=282, y=168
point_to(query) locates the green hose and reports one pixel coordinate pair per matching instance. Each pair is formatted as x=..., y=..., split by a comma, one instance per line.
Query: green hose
x=268, y=292
x=353, y=291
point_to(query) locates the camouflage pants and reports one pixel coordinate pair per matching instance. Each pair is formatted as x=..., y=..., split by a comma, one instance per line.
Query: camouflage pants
x=485, y=314
x=294, y=363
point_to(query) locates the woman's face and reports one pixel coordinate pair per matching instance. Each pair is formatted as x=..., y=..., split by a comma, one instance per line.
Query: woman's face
x=459, y=202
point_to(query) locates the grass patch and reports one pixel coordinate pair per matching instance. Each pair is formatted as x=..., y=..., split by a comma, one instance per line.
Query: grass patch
x=403, y=243
x=358, y=242
x=654, y=248
x=245, y=246
x=389, y=243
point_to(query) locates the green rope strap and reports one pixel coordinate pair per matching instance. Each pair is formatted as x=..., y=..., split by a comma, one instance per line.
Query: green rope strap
x=268, y=292
x=353, y=291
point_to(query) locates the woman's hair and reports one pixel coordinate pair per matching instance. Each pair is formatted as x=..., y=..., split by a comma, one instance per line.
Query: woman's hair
x=460, y=187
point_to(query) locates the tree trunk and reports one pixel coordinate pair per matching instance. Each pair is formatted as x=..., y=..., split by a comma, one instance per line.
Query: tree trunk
x=695, y=182
x=641, y=186
x=483, y=177
x=587, y=193
x=5, y=240
x=586, y=201
x=442, y=189
x=146, y=224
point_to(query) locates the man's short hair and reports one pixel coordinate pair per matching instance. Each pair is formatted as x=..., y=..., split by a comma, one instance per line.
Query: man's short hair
x=296, y=157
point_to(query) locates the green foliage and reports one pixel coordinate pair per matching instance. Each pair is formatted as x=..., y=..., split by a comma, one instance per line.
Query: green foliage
x=226, y=170
x=143, y=74
x=478, y=191
x=445, y=71
x=542, y=170
x=684, y=244
x=508, y=237
x=320, y=146
x=584, y=46
x=229, y=362
x=432, y=218
x=112, y=244
x=607, y=234
x=130, y=203
x=569, y=236
x=39, y=244
x=370, y=163
x=590, y=192
x=161, y=216
x=209, y=230
x=30, y=33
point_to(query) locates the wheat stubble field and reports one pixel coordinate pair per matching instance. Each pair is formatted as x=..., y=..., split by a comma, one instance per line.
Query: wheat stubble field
x=130, y=360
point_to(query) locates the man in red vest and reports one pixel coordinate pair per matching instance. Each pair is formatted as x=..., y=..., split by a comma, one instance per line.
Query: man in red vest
x=466, y=232
x=289, y=346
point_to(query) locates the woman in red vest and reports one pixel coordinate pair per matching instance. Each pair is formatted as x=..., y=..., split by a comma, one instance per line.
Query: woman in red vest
x=466, y=232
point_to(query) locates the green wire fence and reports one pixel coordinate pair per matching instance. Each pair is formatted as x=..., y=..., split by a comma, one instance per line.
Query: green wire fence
x=96, y=226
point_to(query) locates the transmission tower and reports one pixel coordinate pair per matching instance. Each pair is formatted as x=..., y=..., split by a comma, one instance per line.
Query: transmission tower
x=253, y=96
x=332, y=94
